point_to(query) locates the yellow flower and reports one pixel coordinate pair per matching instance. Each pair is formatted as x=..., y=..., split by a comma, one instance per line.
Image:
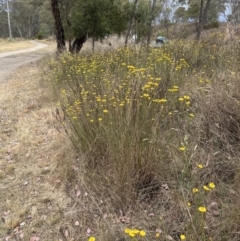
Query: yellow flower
x=211, y=185
x=105, y=111
x=202, y=209
x=192, y=115
x=188, y=102
x=157, y=235
x=189, y=204
x=162, y=100
x=99, y=119
x=180, y=99
x=200, y=166
x=136, y=231
x=142, y=233
x=127, y=230
x=91, y=238
x=182, y=237
x=132, y=232
x=182, y=148
x=206, y=188
x=194, y=190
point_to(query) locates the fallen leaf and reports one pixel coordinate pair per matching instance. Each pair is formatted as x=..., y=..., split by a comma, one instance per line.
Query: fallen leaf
x=34, y=238
x=21, y=235
x=124, y=219
x=38, y=179
x=78, y=193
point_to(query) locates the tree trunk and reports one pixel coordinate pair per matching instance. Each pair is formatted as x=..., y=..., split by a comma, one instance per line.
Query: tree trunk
x=151, y=18
x=20, y=32
x=202, y=18
x=93, y=44
x=78, y=43
x=59, y=31
x=130, y=21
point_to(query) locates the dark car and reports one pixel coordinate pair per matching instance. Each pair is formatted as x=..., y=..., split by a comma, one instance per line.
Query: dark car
x=161, y=40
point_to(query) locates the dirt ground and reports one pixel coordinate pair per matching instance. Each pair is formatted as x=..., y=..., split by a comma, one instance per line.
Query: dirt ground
x=32, y=199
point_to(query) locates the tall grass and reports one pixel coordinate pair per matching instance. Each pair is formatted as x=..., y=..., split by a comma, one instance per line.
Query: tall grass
x=157, y=136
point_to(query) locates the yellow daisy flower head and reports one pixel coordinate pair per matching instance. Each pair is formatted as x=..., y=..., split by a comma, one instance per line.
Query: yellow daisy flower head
x=136, y=231
x=202, y=209
x=142, y=233
x=91, y=238
x=194, y=190
x=206, y=188
x=182, y=148
x=132, y=233
x=182, y=237
x=200, y=166
x=211, y=185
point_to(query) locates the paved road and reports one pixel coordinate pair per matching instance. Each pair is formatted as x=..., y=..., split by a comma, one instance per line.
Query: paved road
x=10, y=61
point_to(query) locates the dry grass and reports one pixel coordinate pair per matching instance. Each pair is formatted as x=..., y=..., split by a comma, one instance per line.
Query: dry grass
x=31, y=195
x=7, y=45
x=157, y=139
x=133, y=174
x=16, y=44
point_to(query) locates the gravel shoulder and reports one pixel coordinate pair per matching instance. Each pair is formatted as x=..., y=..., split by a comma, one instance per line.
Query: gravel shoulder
x=32, y=196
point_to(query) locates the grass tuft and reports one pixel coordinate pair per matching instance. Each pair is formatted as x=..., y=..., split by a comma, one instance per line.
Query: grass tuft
x=156, y=134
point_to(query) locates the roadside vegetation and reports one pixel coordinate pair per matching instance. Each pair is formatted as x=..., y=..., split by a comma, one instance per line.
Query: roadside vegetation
x=156, y=136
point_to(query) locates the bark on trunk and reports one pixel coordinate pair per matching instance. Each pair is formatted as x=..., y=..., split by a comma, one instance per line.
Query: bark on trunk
x=59, y=31
x=150, y=22
x=130, y=22
x=202, y=18
x=78, y=43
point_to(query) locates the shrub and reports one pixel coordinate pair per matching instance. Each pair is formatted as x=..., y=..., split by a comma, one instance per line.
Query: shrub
x=157, y=131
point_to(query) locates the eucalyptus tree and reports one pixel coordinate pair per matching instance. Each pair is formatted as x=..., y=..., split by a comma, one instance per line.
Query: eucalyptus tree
x=5, y=6
x=96, y=19
x=132, y=6
x=25, y=19
x=142, y=17
x=203, y=11
x=81, y=19
x=232, y=17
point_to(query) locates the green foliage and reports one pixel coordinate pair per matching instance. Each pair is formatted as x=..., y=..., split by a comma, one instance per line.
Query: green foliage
x=97, y=18
x=215, y=8
x=180, y=14
x=211, y=25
